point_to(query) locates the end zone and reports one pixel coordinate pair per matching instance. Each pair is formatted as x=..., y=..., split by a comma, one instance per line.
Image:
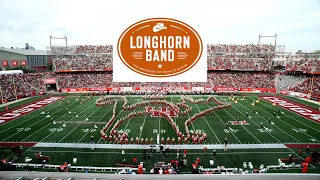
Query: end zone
x=20, y=111
x=25, y=144
x=313, y=146
x=306, y=112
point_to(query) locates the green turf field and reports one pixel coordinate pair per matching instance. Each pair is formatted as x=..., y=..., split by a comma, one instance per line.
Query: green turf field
x=35, y=127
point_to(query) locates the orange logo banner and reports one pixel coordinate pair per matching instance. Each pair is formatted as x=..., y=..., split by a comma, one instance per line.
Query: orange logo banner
x=160, y=47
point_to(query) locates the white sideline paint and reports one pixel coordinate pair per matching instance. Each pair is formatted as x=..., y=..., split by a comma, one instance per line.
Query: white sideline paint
x=139, y=146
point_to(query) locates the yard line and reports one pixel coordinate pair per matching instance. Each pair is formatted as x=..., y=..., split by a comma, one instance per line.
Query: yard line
x=116, y=117
x=191, y=123
x=289, y=125
x=78, y=125
x=95, y=123
x=35, y=132
x=209, y=125
x=35, y=124
x=224, y=124
x=258, y=126
x=159, y=126
x=270, y=107
x=175, y=121
x=30, y=117
x=243, y=127
x=67, y=121
x=142, y=125
x=274, y=125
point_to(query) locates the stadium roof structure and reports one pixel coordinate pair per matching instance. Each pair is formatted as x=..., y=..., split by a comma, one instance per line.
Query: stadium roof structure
x=27, y=52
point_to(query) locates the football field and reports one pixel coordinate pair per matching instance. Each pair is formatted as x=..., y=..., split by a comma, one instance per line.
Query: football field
x=259, y=133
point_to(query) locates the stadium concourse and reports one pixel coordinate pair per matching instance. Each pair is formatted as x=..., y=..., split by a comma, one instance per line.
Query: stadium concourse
x=257, y=113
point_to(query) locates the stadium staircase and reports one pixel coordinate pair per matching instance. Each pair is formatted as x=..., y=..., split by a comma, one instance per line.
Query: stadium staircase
x=288, y=80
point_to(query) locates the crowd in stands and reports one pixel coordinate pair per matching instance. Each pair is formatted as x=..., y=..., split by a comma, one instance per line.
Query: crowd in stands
x=236, y=48
x=242, y=80
x=83, y=80
x=307, y=85
x=88, y=49
x=240, y=63
x=97, y=62
x=240, y=57
x=25, y=85
x=303, y=64
x=215, y=79
x=81, y=49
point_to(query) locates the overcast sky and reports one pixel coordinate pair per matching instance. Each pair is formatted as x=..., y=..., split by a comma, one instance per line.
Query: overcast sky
x=228, y=21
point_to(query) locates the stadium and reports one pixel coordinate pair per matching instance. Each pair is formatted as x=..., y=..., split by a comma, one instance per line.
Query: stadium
x=258, y=112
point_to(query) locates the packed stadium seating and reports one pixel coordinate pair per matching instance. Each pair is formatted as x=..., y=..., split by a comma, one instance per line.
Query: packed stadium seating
x=242, y=80
x=82, y=80
x=303, y=64
x=25, y=85
x=98, y=62
x=81, y=49
x=240, y=57
x=247, y=48
x=85, y=49
x=305, y=87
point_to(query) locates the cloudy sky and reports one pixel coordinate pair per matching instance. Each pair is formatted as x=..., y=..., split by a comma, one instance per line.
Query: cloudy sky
x=229, y=21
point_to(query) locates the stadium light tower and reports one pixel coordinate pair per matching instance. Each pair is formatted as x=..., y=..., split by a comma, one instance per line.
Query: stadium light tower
x=279, y=48
x=58, y=37
x=58, y=50
x=273, y=36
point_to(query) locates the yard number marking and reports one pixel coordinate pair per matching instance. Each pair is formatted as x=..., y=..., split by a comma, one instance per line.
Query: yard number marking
x=23, y=129
x=230, y=130
x=55, y=129
x=87, y=130
x=155, y=131
x=127, y=130
x=299, y=130
x=265, y=130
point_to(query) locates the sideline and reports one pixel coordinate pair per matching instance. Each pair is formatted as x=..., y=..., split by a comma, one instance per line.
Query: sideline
x=16, y=101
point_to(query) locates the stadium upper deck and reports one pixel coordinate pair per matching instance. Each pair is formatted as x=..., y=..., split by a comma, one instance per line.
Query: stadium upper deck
x=220, y=57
